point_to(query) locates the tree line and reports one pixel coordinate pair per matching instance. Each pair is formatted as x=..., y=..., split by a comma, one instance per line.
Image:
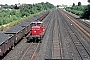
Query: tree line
x=28, y=9
x=8, y=15
x=82, y=10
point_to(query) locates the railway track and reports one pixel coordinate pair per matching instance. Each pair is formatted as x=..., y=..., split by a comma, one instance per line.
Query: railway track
x=23, y=50
x=83, y=51
x=45, y=48
x=84, y=23
x=68, y=43
x=57, y=44
x=83, y=30
x=33, y=48
x=84, y=27
x=31, y=52
x=67, y=50
x=62, y=40
x=84, y=54
x=78, y=19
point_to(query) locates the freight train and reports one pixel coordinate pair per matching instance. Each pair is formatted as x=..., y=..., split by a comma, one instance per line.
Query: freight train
x=10, y=37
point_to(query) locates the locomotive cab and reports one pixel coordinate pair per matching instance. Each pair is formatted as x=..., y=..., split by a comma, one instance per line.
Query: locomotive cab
x=36, y=32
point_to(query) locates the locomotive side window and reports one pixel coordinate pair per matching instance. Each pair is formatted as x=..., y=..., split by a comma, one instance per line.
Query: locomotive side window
x=39, y=24
x=33, y=24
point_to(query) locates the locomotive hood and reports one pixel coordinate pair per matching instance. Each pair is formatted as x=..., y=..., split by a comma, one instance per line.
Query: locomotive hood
x=35, y=27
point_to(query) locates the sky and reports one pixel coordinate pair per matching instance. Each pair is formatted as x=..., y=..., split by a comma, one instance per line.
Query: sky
x=54, y=2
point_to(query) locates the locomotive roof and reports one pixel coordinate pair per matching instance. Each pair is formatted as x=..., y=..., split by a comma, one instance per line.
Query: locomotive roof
x=14, y=29
x=37, y=22
x=3, y=37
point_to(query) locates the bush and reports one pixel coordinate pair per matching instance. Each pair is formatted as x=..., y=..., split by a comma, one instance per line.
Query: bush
x=78, y=10
x=1, y=28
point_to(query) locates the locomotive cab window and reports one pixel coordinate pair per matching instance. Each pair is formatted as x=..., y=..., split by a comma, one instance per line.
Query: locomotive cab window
x=33, y=24
x=39, y=24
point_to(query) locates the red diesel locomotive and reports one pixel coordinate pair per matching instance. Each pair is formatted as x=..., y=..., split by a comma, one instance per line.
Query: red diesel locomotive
x=37, y=31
